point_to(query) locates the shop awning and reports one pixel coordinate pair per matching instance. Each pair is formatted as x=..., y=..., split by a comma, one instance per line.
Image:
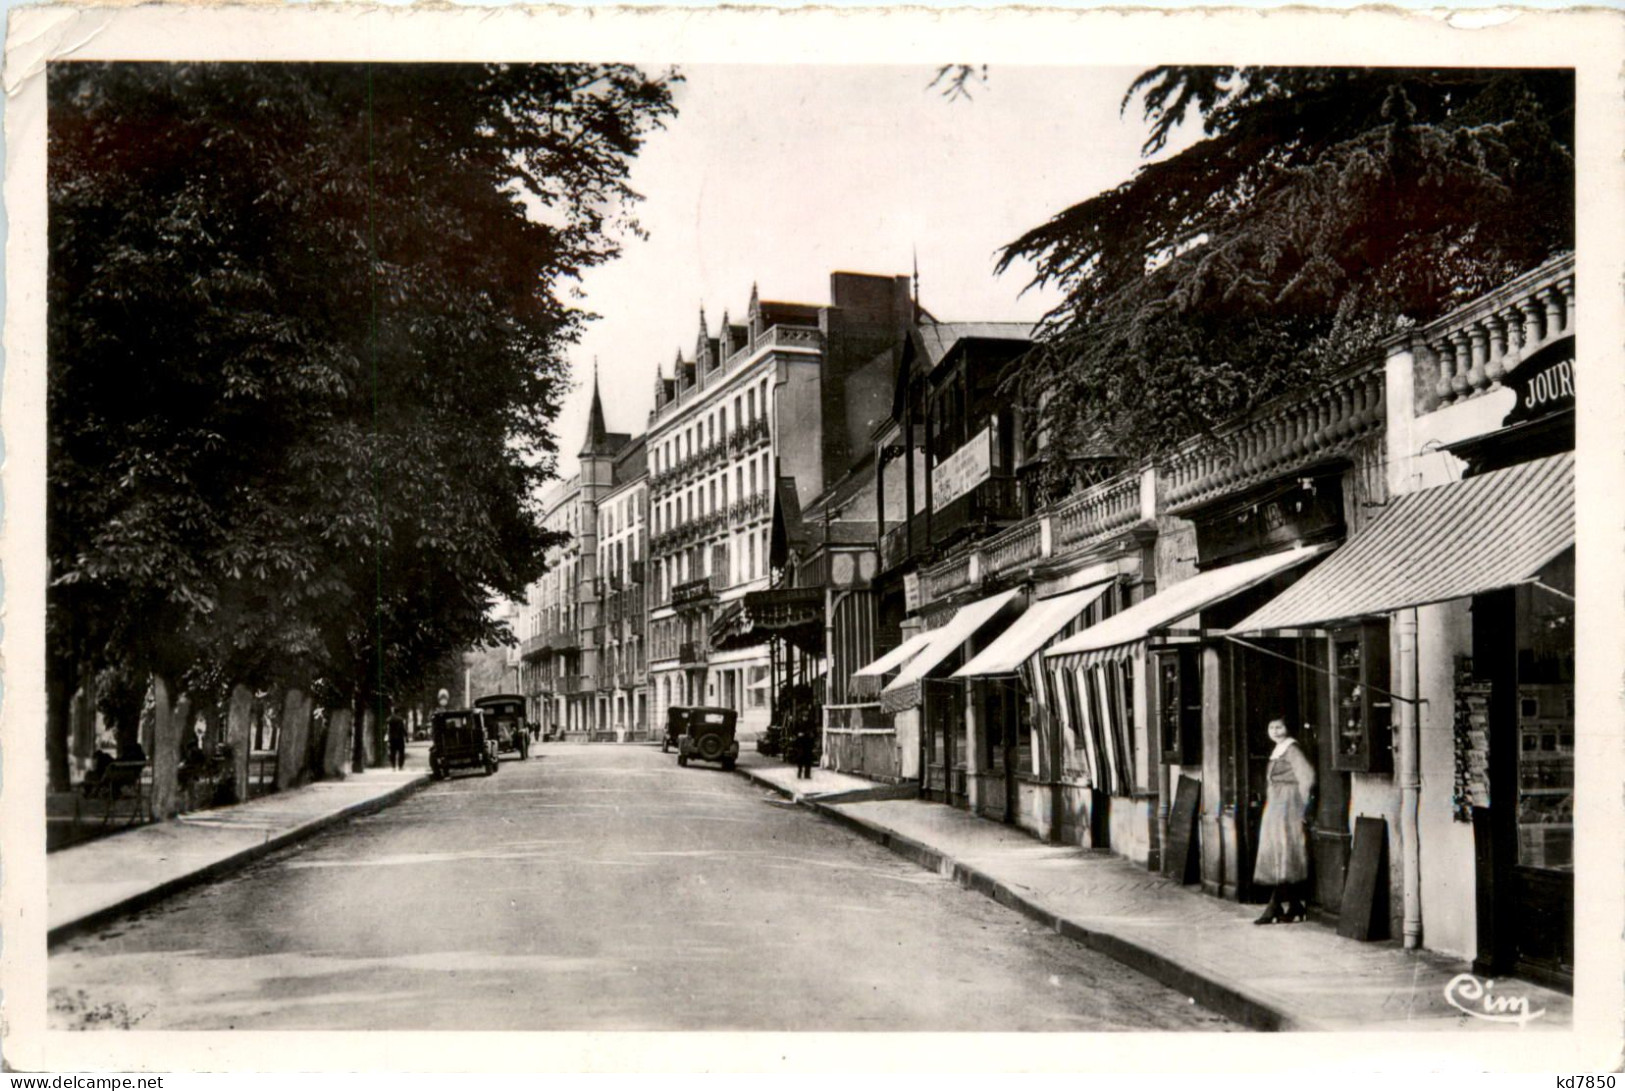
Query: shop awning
x=1116, y=636
x=895, y=658
x=1030, y=632
x=903, y=692
x=1443, y=543
x=867, y=680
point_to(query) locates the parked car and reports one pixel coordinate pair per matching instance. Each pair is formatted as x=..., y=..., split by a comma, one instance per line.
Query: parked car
x=770, y=741
x=505, y=723
x=708, y=736
x=458, y=740
x=676, y=727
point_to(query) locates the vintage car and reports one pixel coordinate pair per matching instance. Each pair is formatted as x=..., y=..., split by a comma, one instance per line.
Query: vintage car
x=708, y=735
x=458, y=739
x=676, y=726
x=505, y=723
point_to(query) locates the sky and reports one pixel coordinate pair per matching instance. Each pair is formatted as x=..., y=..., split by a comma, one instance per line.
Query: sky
x=778, y=176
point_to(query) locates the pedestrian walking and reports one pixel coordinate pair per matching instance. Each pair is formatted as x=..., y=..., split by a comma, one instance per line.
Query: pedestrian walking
x=801, y=748
x=397, y=743
x=1283, y=845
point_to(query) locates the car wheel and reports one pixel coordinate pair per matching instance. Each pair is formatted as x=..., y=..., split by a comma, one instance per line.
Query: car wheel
x=710, y=748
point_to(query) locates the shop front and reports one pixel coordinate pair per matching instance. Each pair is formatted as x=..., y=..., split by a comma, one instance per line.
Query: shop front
x=922, y=683
x=1204, y=716
x=1475, y=579
x=1017, y=774
x=864, y=693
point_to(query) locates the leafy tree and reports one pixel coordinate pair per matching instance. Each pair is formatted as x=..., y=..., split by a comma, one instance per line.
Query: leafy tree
x=307, y=328
x=1322, y=210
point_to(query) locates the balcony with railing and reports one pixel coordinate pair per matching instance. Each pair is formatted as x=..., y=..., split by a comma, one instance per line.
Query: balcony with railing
x=951, y=575
x=994, y=502
x=748, y=437
x=752, y=507
x=1295, y=431
x=1100, y=511
x=1468, y=352
x=903, y=541
x=692, y=651
x=1020, y=546
x=572, y=685
x=534, y=647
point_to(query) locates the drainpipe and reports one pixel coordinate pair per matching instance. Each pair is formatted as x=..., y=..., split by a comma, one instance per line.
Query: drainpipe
x=1410, y=779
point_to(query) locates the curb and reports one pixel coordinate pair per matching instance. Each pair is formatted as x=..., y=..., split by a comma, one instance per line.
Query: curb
x=224, y=866
x=1226, y=999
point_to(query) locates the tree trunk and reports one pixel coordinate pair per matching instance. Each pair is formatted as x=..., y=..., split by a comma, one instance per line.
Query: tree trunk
x=292, y=733
x=377, y=739
x=166, y=739
x=82, y=718
x=58, y=717
x=316, y=744
x=238, y=725
x=338, y=742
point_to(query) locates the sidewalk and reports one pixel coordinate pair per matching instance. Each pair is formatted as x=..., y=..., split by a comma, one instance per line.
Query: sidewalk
x=91, y=883
x=1278, y=977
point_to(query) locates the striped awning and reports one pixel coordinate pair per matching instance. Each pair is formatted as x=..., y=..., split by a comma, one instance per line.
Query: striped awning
x=1030, y=632
x=1448, y=542
x=867, y=680
x=1117, y=636
x=904, y=690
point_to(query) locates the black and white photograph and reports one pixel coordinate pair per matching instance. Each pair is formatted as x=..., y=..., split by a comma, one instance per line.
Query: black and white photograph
x=752, y=529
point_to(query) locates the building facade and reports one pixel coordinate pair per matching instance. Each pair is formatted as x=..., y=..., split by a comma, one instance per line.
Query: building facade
x=1385, y=561
x=743, y=433
x=580, y=667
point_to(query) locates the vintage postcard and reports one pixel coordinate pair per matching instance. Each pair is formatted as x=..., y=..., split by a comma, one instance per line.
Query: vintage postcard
x=726, y=539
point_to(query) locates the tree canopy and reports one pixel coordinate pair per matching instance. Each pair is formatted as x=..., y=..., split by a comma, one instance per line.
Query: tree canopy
x=1322, y=209
x=307, y=326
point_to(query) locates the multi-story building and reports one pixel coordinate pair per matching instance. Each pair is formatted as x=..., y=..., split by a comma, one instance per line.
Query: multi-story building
x=564, y=647
x=623, y=549
x=762, y=418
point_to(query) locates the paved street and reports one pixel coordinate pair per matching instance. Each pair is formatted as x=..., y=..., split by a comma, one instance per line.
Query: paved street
x=595, y=887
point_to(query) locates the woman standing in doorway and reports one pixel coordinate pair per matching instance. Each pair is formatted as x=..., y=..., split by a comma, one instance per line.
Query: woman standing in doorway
x=1283, y=849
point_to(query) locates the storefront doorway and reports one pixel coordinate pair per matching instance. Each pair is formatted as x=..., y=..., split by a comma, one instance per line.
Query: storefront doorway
x=1523, y=642
x=1289, y=684
x=944, y=741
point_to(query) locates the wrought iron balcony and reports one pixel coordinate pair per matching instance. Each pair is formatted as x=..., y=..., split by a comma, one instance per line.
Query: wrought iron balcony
x=993, y=503
x=692, y=652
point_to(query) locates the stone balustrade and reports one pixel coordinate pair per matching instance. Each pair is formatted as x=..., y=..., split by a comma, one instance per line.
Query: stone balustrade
x=1294, y=431
x=1020, y=546
x=1100, y=511
x=1469, y=351
x=949, y=576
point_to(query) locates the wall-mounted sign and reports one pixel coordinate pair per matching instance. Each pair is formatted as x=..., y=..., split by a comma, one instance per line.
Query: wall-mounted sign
x=911, y=593
x=963, y=470
x=1544, y=383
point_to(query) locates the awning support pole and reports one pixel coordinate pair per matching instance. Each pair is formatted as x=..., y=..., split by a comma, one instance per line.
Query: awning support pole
x=1321, y=670
x=1547, y=587
x=1410, y=780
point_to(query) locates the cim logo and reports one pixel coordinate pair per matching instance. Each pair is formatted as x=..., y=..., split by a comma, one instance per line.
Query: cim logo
x=1475, y=997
